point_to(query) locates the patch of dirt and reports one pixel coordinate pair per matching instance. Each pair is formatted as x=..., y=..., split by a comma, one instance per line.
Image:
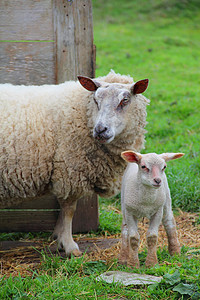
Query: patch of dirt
x=25, y=256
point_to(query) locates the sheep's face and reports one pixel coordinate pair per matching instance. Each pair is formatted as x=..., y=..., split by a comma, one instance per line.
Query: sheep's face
x=151, y=166
x=112, y=103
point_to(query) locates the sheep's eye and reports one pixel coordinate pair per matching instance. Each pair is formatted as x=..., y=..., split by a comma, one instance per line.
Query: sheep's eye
x=124, y=102
x=164, y=168
x=143, y=167
x=96, y=102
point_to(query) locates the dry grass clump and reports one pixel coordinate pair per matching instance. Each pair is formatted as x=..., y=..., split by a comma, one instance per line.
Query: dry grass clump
x=188, y=233
x=26, y=258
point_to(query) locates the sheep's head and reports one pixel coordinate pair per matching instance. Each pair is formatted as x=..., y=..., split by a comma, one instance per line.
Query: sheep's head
x=151, y=166
x=112, y=102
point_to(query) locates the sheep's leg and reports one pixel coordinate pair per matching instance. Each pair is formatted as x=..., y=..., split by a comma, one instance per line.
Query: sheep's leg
x=134, y=240
x=63, y=229
x=170, y=227
x=152, y=239
x=124, y=253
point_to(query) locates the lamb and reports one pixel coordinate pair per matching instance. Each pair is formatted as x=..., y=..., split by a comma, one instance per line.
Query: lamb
x=145, y=193
x=67, y=140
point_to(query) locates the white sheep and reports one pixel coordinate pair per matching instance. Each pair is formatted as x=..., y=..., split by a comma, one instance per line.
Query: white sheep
x=145, y=193
x=68, y=140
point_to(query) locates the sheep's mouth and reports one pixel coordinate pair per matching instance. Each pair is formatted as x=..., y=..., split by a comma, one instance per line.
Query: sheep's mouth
x=103, y=139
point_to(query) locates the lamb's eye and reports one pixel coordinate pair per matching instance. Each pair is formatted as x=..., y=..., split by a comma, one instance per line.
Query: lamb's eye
x=124, y=102
x=164, y=168
x=145, y=168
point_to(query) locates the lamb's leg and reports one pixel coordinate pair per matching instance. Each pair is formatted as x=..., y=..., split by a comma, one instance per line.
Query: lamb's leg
x=151, y=259
x=170, y=227
x=124, y=252
x=63, y=229
x=134, y=240
x=152, y=239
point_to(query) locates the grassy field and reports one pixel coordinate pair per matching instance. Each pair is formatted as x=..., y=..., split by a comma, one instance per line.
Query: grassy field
x=159, y=40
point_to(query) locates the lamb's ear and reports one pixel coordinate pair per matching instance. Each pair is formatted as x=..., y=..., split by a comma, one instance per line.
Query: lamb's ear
x=140, y=86
x=170, y=156
x=88, y=83
x=131, y=156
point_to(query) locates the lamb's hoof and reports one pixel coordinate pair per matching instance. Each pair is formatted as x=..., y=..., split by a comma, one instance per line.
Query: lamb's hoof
x=122, y=261
x=123, y=258
x=133, y=264
x=76, y=252
x=151, y=262
x=174, y=250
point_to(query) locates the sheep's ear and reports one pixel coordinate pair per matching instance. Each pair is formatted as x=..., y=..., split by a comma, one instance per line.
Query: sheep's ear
x=131, y=156
x=88, y=83
x=170, y=156
x=140, y=86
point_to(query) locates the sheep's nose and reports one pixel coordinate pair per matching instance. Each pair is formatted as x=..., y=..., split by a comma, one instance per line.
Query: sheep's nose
x=100, y=128
x=157, y=180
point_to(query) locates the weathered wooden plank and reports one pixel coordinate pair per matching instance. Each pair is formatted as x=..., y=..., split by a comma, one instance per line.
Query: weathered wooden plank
x=86, y=217
x=74, y=36
x=27, y=220
x=23, y=218
x=47, y=201
x=27, y=63
x=26, y=20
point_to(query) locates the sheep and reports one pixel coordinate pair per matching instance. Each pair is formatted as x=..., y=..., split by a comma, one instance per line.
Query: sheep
x=67, y=140
x=145, y=193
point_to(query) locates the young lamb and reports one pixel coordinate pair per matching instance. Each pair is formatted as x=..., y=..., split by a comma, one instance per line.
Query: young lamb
x=145, y=193
x=68, y=140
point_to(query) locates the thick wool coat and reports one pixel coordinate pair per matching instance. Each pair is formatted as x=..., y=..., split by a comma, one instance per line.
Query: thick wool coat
x=46, y=142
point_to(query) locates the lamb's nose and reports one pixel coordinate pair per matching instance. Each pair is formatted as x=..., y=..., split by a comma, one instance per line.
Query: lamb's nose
x=157, y=180
x=100, y=128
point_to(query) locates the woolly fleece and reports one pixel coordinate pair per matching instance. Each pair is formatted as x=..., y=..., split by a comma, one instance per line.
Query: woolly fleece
x=46, y=142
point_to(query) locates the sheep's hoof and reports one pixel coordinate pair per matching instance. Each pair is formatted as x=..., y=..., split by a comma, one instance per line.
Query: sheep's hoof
x=54, y=237
x=76, y=252
x=61, y=247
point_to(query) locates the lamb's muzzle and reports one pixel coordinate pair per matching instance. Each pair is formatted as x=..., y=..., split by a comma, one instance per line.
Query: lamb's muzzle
x=157, y=182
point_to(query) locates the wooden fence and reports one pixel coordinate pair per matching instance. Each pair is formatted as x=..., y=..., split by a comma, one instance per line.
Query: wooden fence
x=46, y=42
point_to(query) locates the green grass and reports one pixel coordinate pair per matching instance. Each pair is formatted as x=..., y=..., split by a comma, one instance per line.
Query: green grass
x=159, y=40
x=75, y=278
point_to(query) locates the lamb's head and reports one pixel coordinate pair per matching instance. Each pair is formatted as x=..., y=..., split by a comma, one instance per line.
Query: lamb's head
x=151, y=166
x=112, y=101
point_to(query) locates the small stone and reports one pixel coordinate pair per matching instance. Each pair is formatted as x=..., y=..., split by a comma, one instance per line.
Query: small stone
x=128, y=278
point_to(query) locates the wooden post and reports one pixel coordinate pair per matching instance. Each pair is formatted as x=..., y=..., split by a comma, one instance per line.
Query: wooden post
x=74, y=39
x=75, y=55
x=46, y=41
